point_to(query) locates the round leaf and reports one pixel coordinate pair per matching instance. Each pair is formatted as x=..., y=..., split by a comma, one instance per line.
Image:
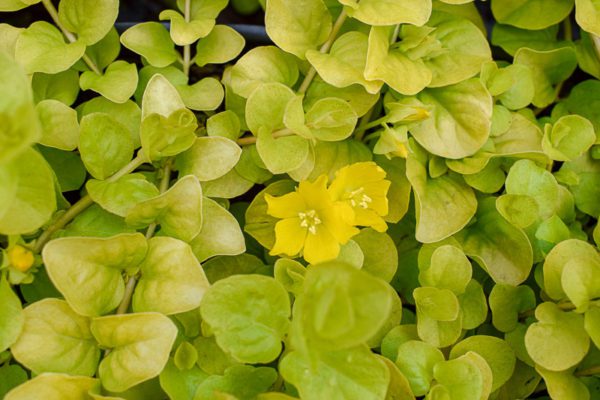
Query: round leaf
x=331, y=119
x=90, y=20
x=152, y=41
x=52, y=386
x=222, y=44
x=209, y=158
x=60, y=128
x=12, y=317
x=117, y=84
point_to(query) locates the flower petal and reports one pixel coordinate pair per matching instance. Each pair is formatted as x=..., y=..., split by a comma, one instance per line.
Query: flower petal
x=315, y=193
x=338, y=219
x=289, y=237
x=369, y=218
x=286, y=206
x=321, y=246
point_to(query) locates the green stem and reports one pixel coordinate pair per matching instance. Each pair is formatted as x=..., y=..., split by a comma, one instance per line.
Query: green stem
x=312, y=72
x=132, y=281
x=69, y=35
x=81, y=205
x=595, y=370
x=187, y=47
x=248, y=140
x=568, y=29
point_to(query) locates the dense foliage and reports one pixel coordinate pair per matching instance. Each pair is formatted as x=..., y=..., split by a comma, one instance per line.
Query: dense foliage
x=381, y=205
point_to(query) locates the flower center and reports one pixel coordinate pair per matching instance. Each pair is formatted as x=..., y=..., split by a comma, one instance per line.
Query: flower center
x=359, y=198
x=310, y=220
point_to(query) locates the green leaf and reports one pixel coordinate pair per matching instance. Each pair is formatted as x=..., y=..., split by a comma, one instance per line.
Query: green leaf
x=473, y=304
x=531, y=14
x=177, y=218
x=297, y=26
x=389, y=12
x=499, y=247
x=172, y=279
x=520, y=210
x=259, y=115
x=63, y=86
x=209, y=158
x=587, y=188
x=282, y=154
x=416, y=360
x=27, y=194
x=185, y=32
x=119, y=196
x=52, y=386
x=238, y=382
x=211, y=358
x=591, y=324
x=558, y=341
x=399, y=192
x=60, y=128
x=160, y=97
x=506, y=302
x=11, y=376
x=230, y=185
x=439, y=304
x=449, y=269
x=15, y=5
x=152, y=41
x=351, y=374
x=242, y=264
x=41, y=48
x=549, y=68
x=459, y=122
x=262, y=65
x=225, y=124
x=331, y=119
x=511, y=39
x=96, y=222
x=181, y=384
x=87, y=271
x=444, y=205
x=380, y=254
x=105, y=145
x=250, y=331
x=587, y=15
x=460, y=378
x=205, y=95
x=220, y=234
x=104, y=52
x=581, y=281
x=345, y=63
x=168, y=136
x=341, y=307
x=496, y=352
x=563, y=385
x=20, y=127
x=290, y=274
x=355, y=95
x=140, y=344
x=12, y=317
x=568, y=138
x=117, y=83
x=128, y=114
x=91, y=21
x=396, y=337
x=56, y=339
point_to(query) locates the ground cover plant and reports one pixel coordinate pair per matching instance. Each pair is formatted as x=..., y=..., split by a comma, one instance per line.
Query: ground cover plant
x=394, y=200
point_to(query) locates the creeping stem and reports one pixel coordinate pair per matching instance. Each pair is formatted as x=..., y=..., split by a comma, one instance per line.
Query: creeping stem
x=187, y=49
x=69, y=35
x=82, y=204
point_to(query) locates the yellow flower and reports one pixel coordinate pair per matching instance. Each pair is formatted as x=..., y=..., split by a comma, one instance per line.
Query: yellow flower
x=310, y=221
x=20, y=258
x=363, y=187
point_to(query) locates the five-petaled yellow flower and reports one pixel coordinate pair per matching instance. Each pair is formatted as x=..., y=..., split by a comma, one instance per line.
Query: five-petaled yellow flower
x=363, y=187
x=311, y=221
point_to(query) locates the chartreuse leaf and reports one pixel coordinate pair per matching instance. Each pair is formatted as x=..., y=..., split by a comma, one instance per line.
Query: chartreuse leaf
x=389, y=12
x=564, y=385
x=531, y=14
x=181, y=384
x=380, y=254
x=549, y=69
x=399, y=387
x=119, y=196
x=439, y=304
x=225, y=124
x=209, y=158
x=63, y=86
x=105, y=145
x=96, y=222
x=587, y=15
x=460, y=378
x=591, y=324
x=350, y=374
x=211, y=358
x=9, y=35
x=290, y=274
x=206, y=94
x=128, y=114
x=439, y=214
x=168, y=136
x=572, y=252
x=341, y=307
x=140, y=344
x=53, y=386
x=587, y=187
x=331, y=119
x=449, y=269
x=20, y=127
x=27, y=193
x=117, y=84
x=558, y=341
x=520, y=210
x=176, y=217
x=345, y=63
x=499, y=247
x=87, y=271
x=60, y=128
x=104, y=52
x=251, y=331
x=91, y=21
x=152, y=41
x=568, y=138
x=230, y=185
x=172, y=278
x=221, y=45
x=506, y=302
x=42, y=48
x=261, y=65
x=238, y=382
x=56, y=339
x=581, y=281
x=11, y=376
x=220, y=233
x=15, y=5
x=297, y=26
x=460, y=117
x=473, y=304
x=12, y=317
x=186, y=32
x=416, y=360
x=277, y=96
x=496, y=352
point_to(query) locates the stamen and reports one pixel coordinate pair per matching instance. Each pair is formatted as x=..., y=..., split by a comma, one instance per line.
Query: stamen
x=310, y=220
